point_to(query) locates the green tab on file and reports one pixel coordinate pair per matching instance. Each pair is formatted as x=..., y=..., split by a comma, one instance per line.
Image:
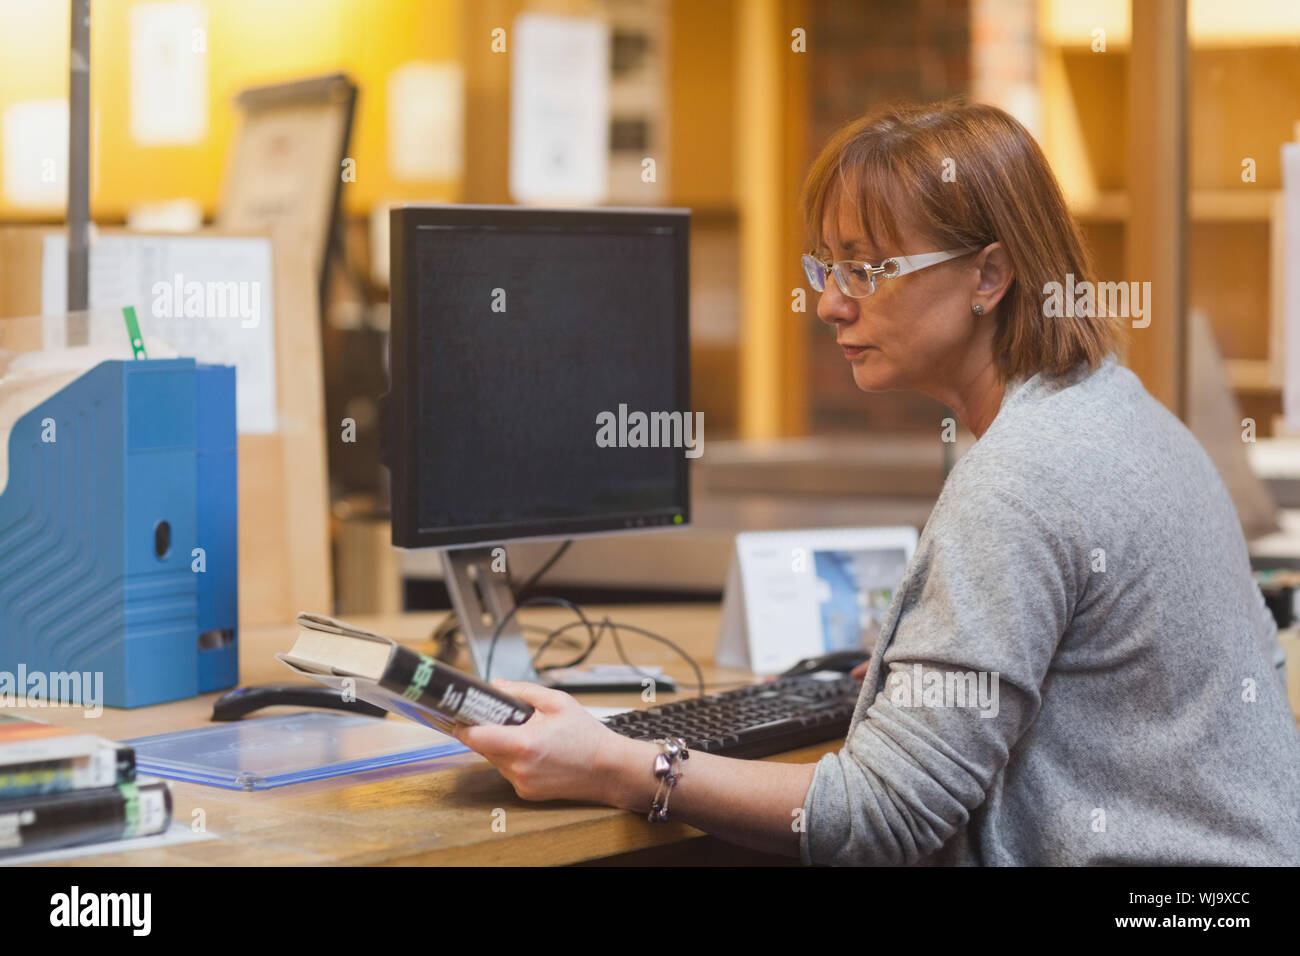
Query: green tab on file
x=133, y=330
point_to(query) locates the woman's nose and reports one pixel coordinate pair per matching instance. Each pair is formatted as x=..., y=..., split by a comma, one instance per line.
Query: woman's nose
x=834, y=307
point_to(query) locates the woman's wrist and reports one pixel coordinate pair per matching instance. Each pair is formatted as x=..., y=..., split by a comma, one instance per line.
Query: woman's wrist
x=629, y=773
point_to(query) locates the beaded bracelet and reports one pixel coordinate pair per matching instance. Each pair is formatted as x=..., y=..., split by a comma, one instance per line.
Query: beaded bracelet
x=668, y=768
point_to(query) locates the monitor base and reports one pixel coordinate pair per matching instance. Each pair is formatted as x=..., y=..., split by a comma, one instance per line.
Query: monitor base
x=483, y=600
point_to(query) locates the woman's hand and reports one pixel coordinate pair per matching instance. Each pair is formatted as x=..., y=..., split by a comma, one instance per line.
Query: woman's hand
x=860, y=672
x=561, y=753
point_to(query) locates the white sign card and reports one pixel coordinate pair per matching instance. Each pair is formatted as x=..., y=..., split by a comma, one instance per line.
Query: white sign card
x=805, y=593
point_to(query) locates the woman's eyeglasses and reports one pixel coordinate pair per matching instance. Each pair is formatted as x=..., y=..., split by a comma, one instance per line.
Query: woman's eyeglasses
x=857, y=279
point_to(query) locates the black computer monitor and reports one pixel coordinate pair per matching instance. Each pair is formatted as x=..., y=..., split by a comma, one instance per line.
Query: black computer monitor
x=540, y=365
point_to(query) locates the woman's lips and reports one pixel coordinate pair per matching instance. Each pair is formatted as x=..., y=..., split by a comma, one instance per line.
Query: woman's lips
x=853, y=351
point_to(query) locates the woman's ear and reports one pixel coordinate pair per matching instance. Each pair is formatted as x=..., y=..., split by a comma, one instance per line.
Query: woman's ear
x=996, y=276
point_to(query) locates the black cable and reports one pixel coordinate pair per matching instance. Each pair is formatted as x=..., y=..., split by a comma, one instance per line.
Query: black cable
x=537, y=628
x=699, y=674
x=566, y=642
x=522, y=590
x=532, y=602
x=690, y=660
x=613, y=626
x=447, y=631
x=555, y=634
x=618, y=645
x=444, y=635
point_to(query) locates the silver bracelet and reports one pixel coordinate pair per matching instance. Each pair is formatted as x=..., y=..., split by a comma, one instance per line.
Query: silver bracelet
x=668, y=768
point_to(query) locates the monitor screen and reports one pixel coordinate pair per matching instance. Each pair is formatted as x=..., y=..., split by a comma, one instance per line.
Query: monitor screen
x=546, y=356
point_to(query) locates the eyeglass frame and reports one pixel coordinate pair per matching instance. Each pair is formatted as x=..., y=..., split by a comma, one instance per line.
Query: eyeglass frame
x=904, y=266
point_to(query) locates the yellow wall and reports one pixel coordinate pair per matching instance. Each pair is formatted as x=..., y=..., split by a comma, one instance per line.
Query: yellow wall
x=249, y=42
x=703, y=109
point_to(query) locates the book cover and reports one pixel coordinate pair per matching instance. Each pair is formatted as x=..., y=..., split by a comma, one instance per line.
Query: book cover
x=51, y=821
x=380, y=671
x=37, y=758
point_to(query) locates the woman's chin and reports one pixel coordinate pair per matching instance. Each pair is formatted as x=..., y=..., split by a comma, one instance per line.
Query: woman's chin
x=870, y=375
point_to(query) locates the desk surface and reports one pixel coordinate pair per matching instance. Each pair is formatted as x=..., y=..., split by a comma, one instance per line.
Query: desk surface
x=440, y=812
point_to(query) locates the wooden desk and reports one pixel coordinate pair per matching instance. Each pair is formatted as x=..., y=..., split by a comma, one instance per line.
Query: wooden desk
x=439, y=812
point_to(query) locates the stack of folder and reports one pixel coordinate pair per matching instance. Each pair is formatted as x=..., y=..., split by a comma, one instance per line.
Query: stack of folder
x=60, y=789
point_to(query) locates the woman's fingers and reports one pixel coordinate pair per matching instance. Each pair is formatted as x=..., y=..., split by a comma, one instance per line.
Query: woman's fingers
x=507, y=740
x=545, y=699
x=860, y=672
x=551, y=756
x=491, y=740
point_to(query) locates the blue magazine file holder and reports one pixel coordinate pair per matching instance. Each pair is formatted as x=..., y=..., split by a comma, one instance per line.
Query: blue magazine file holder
x=113, y=483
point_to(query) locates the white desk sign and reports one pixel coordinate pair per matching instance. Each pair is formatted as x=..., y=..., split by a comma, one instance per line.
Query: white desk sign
x=797, y=594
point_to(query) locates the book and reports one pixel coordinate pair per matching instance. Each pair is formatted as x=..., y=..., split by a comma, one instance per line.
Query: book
x=380, y=671
x=37, y=758
x=50, y=821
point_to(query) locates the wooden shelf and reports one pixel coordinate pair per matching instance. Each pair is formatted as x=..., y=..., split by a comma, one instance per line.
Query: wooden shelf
x=1205, y=205
x=1252, y=375
x=1243, y=84
x=1211, y=24
x=1232, y=205
x=1109, y=206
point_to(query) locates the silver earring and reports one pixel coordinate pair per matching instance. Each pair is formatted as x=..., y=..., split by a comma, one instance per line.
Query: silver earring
x=977, y=309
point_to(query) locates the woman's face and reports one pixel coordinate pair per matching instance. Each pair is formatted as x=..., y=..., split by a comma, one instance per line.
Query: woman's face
x=914, y=332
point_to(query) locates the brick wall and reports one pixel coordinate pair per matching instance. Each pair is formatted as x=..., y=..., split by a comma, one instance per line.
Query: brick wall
x=864, y=53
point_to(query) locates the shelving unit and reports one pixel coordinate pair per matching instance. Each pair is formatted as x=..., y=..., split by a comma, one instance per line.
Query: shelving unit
x=1243, y=73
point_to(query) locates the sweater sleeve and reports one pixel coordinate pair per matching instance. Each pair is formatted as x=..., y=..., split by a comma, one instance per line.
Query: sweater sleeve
x=1269, y=635
x=990, y=595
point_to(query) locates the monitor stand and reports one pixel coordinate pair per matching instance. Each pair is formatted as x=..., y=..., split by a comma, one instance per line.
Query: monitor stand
x=482, y=599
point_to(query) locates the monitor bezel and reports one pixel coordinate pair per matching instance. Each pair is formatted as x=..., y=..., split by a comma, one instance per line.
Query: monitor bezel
x=403, y=406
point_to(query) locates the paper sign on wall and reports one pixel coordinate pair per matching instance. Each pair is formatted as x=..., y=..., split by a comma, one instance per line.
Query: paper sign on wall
x=559, y=110
x=35, y=153
x=169, y=73
x=425, y=121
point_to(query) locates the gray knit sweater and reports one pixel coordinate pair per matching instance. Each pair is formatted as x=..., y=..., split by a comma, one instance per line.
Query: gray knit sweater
x=1077, y=667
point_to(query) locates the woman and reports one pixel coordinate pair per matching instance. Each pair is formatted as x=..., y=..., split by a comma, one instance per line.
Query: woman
x=1084, y=560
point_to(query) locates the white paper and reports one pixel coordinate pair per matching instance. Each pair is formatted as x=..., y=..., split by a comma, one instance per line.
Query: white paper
x=425, y=121
x=231, y=322
x=168, y=64
x=559, y=110
x=35, y=153
x=1291, y=285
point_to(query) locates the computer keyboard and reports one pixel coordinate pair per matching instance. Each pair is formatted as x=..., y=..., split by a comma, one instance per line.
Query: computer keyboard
x=779, y=715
